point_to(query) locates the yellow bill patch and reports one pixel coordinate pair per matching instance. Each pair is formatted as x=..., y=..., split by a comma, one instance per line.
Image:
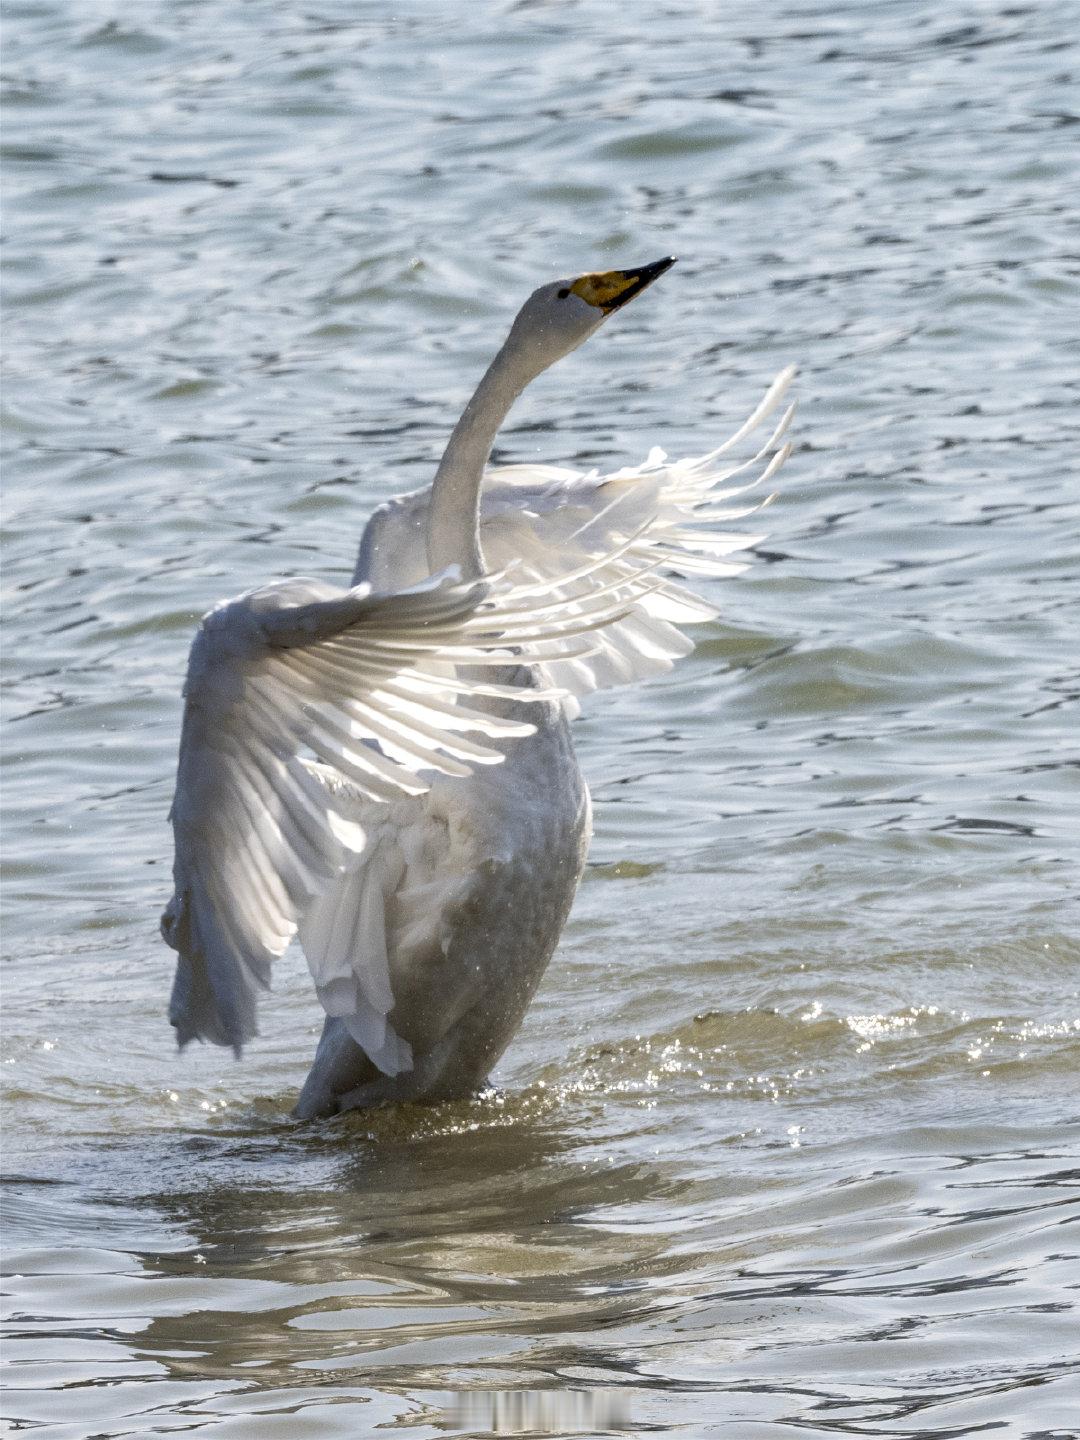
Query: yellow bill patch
x=602, y=289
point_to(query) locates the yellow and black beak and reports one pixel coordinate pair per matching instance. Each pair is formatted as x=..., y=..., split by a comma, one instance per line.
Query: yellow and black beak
x=612, y=289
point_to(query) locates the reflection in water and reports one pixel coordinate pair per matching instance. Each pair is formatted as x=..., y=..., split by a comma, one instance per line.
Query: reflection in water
x=426, y=1252
x=433, y=1227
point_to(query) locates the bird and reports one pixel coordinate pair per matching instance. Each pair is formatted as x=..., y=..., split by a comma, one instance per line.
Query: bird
x=325, y=785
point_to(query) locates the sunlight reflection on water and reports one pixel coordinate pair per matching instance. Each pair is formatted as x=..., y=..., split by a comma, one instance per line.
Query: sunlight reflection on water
x=788, y=1141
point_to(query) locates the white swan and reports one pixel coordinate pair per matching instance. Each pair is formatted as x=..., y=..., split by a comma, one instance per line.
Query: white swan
x=429, y=876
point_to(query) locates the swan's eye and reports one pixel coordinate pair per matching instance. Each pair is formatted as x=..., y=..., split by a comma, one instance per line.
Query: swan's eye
x=564, y=292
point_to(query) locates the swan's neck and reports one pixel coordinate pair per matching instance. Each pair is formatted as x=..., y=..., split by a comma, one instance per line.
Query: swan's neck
x=453, y=527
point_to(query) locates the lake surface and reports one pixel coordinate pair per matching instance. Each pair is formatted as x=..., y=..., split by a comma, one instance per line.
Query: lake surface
x=788, y=1145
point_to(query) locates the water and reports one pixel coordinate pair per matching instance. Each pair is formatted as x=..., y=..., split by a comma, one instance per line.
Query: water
x=788, y=1142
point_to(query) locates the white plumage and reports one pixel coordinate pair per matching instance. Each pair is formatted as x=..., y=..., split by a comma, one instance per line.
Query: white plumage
x=388, y=769
x=572, y=534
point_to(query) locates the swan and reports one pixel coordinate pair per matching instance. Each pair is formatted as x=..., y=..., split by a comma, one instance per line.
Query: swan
x=325, y=785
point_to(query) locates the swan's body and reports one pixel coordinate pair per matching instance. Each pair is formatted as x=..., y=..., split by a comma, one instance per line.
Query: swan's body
x=473, y=882
x=430, y=895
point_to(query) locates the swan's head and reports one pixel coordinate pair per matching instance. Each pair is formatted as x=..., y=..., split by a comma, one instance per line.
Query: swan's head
x=560, y=316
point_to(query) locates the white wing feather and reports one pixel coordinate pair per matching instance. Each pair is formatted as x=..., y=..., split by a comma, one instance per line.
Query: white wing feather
x=259, y=830
x=368, y=685
x=562, y=536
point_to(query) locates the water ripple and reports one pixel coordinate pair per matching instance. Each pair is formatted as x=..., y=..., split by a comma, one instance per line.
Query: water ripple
x=788, y=1143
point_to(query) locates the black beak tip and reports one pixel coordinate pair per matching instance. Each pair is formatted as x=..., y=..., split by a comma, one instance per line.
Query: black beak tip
x=639, y=278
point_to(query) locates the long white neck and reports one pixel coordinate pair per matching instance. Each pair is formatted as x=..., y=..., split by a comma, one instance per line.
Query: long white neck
x=453, y=524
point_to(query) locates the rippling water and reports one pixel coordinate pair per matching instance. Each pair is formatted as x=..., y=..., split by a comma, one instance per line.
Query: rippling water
x=788, y=1144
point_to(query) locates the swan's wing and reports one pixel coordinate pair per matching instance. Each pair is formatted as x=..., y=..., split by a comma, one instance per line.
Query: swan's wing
x=562, y=536
x=572, y=534
x=259, y=831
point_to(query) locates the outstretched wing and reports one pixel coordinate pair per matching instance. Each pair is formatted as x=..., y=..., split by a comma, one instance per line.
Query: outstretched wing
x=261, y=828
x=563, y=536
